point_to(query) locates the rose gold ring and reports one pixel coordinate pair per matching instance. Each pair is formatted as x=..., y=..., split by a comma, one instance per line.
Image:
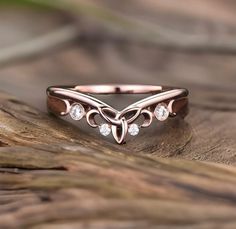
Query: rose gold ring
x=79, y=101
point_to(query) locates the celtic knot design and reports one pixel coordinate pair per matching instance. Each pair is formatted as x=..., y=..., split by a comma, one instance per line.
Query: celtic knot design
x=119, y=121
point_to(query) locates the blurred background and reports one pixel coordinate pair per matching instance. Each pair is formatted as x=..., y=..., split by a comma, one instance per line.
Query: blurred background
x=190, y=44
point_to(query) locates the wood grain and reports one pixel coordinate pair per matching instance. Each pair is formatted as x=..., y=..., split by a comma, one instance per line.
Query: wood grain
x=75, y=180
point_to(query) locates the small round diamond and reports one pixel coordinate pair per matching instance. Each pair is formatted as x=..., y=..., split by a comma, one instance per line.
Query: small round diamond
x=77, y=111
x=161, y=112
x=105, y=129
x=133, y=129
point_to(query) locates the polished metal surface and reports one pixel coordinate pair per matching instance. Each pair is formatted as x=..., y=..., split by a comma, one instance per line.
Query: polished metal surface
x=175, y=99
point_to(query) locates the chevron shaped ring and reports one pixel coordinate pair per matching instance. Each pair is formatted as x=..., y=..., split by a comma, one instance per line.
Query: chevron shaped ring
x=160, y=103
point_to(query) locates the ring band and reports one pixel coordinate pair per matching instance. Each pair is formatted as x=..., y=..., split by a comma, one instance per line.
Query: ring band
x=79, y=101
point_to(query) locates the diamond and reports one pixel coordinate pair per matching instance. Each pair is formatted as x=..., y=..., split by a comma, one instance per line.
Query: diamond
x=105, y=129
x=133, y=129
x=77, y=111
x=161, y=112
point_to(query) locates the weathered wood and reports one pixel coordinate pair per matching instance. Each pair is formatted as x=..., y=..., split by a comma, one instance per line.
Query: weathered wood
x=56, y=175
x=83, y=170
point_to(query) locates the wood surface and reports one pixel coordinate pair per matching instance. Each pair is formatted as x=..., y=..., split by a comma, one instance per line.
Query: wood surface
x=177, y=174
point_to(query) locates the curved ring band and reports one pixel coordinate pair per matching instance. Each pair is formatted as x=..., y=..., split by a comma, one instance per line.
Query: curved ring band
x=79, y=102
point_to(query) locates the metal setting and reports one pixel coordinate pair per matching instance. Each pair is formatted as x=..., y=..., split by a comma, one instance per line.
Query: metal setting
x=61, y=99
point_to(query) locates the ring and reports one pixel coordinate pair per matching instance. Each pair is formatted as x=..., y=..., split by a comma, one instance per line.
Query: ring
x=80, y=102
